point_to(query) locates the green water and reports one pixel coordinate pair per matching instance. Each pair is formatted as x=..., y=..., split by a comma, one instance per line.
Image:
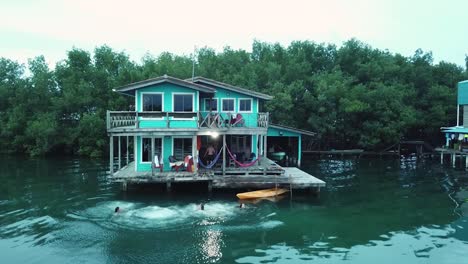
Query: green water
x=372, y=211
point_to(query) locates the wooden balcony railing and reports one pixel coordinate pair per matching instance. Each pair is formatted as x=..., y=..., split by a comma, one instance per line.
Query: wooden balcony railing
x=132, y=119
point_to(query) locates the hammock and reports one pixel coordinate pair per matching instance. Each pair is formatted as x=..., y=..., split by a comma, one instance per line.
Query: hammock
x=243, y=165
x=213, y=162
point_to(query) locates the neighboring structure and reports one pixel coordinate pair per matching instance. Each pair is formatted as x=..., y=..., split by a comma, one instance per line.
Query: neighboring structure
x=456, y=137
x=175, y=119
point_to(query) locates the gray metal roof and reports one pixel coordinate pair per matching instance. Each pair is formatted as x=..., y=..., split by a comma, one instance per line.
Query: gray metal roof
x=130, y=88
x=296, y=130
x=233, y=88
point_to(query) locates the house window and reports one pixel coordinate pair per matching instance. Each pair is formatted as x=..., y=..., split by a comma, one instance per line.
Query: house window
x=146, y=149
x=152, y=102
x=211, y=105
x=182, y=148
x=245, y=105
x=228, y=105
x=183, y=102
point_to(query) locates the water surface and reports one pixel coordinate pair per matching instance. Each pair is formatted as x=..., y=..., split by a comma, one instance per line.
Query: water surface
x=62, y=211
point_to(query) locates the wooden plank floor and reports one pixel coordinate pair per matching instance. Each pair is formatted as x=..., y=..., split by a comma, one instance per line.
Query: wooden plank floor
x=267, y=176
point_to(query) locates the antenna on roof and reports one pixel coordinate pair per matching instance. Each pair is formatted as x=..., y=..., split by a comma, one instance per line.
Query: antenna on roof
x=193, y=65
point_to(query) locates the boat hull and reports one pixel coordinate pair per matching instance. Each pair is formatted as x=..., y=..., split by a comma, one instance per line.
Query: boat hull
x=261, y=193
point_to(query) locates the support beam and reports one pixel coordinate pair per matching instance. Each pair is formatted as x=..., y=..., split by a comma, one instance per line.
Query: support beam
x=120, y=153
x=128, y=157
x=111, y=155
x=453, y=159
x=210, y=186
x=195, y=153
x=441, y=157
x=168, y=186
x=458, y=115
x=124, y=186
x=265, y=149
x=224, y=154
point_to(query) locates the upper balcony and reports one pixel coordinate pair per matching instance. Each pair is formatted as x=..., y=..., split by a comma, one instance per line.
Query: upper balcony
x=191, y=120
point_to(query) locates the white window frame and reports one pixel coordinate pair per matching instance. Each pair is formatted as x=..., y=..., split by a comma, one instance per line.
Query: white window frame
x=193, y=102
x=178, y=137
x=193, y=106
x=207, y=100
x=251, y=105
x=141, y=149
x=162, y=106
x=233, y=106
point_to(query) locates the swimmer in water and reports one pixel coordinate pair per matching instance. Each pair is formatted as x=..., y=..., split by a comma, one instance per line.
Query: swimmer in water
x=202, y=206
x=242, y=205
x=117, y=210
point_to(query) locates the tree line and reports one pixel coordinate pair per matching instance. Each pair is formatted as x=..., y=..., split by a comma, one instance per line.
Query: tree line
x=353, y=96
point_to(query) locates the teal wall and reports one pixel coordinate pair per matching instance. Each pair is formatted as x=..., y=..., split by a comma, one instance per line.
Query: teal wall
x=167, y=151
x=463, y=93
x=250, y=118
x=167, y=89
x=275, y=132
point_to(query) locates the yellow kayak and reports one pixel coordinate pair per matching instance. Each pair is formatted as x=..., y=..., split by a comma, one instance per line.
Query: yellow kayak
x=261, y=193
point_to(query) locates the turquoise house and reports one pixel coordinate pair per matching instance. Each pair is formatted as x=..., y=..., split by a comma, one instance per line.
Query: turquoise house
x=457, y=136
x=175, y=118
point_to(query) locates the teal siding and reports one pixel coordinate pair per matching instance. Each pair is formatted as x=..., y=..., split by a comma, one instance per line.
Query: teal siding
x=167, y=89
x=463, y=93
x=275, y=132
x=167, y=151
x=250, y=117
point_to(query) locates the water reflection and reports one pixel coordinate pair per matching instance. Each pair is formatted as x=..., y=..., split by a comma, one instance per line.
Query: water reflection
x=390, y=210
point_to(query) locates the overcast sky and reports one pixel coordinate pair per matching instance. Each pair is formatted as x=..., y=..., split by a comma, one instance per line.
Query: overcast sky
x=51, y=27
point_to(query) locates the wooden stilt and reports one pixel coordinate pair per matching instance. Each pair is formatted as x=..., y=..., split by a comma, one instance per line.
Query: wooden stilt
x=124, y=186
x=224, y=154
x=441, y=157
x=210, y=186
x=120, y=153
x=128, y=157
x=453, y=160
x=111, y=155
x=168, y=186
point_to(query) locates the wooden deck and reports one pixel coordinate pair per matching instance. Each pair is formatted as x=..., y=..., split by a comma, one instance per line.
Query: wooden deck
x=266, y=175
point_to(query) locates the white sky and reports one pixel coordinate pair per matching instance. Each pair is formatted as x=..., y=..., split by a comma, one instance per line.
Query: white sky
x=51, y=27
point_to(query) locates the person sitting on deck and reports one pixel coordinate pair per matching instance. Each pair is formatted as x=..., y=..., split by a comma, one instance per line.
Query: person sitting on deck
x=210, y=154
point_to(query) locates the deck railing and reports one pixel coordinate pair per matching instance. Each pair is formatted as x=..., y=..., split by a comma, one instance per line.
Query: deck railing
x=116, y=119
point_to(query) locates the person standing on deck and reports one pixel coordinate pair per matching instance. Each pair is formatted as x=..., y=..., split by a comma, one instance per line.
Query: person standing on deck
x=209, y=154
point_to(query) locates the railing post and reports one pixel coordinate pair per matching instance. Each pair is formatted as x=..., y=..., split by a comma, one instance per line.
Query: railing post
x=137, y=122
x=108, y=120
x=167, y=119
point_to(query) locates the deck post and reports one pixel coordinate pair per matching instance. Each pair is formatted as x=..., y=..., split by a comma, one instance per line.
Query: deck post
x=265, y=145
x=454, y=157
x=224, y=154
x=258, y=148
x=210, y=186
x=120, y=152
x=111, y=155
x=195, y=153
x=442, y=157
x=128, y=159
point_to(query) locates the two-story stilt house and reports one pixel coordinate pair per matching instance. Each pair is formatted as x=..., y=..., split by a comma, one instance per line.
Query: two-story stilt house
x=196, y=128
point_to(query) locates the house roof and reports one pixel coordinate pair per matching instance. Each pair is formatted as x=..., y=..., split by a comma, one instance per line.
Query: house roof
x=454, y=129
x=291, y=129
x=129, y=89
x=233, y=88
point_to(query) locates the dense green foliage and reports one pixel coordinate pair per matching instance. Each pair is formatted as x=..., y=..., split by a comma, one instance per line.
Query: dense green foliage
x=353, y=96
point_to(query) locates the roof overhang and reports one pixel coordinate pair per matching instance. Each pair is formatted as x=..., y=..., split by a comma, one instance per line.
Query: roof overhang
x=203, y=80
x=455, y=129
x=130, y=88
x=295, y=130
